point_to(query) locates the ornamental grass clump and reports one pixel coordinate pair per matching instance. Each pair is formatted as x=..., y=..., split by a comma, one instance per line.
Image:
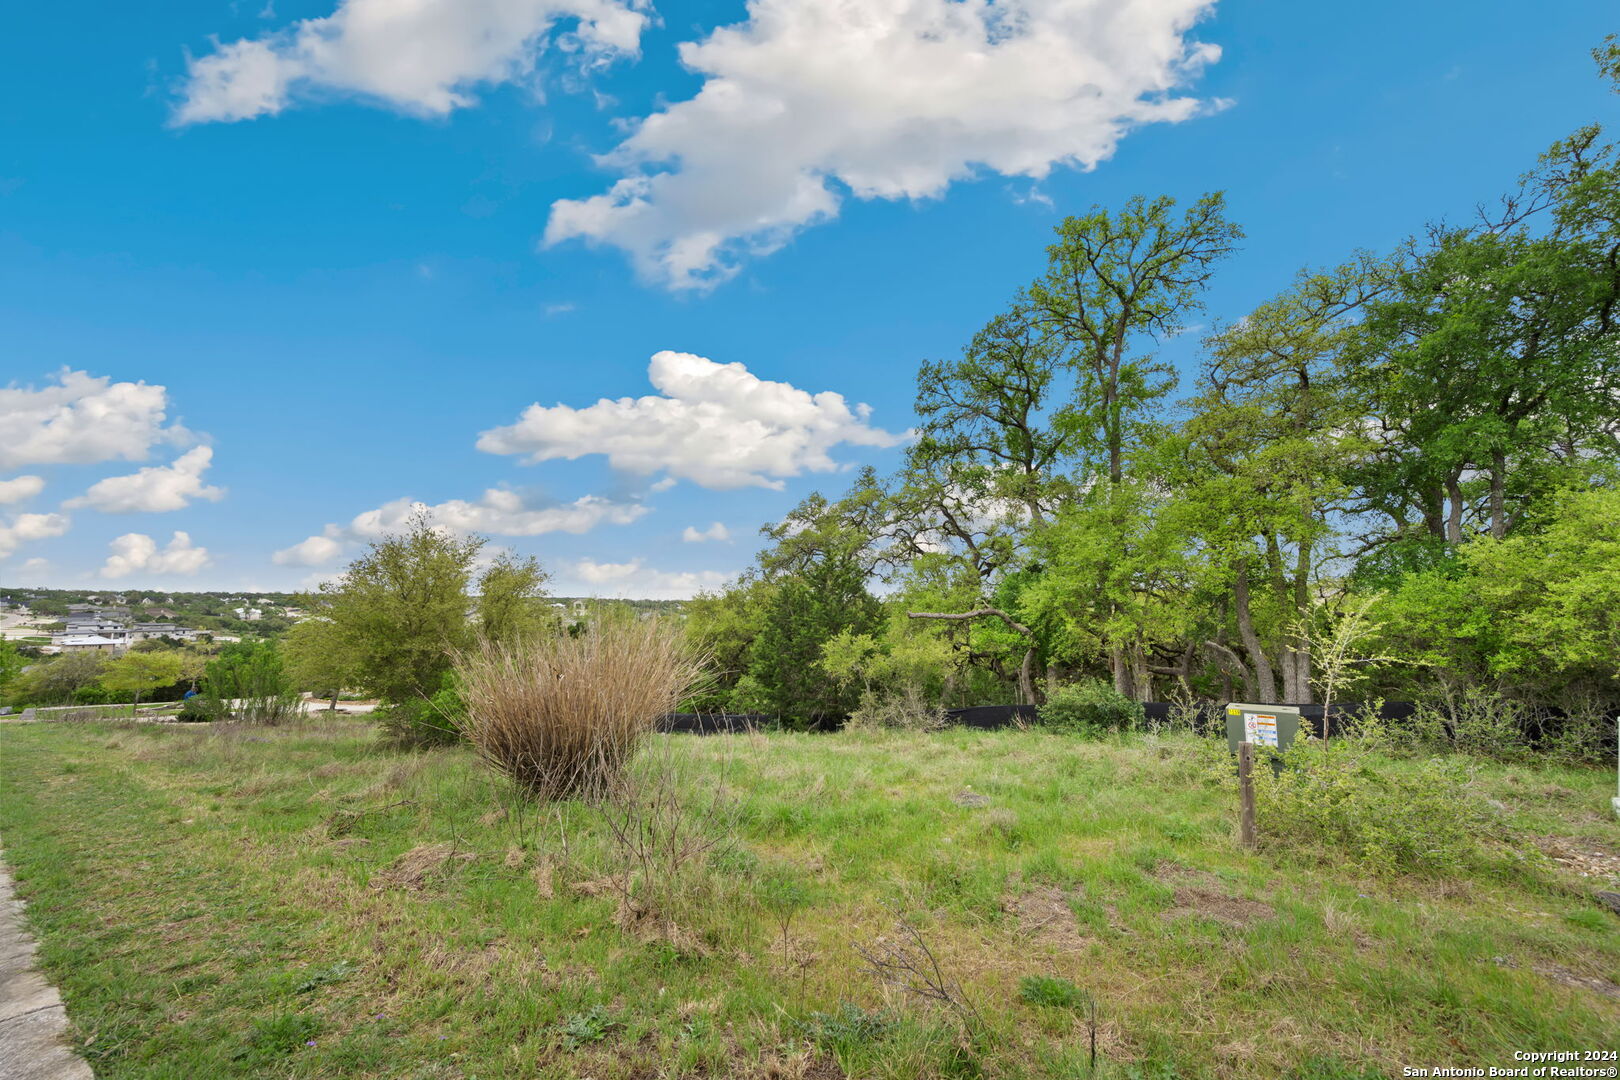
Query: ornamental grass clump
x=562, y=715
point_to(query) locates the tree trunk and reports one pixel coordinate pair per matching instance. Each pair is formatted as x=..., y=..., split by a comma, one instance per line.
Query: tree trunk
x=1264, y=682
x=1141, y=678
x=1121, y=673
x=1498, y=494
x=1234, y=661
x=1454, y=516
x=1301, y=634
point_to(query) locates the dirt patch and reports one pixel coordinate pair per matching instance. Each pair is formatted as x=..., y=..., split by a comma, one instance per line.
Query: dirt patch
x=801, y=1066
x=414, y=869
x=1566, y=977
x=1046, y=914
x=970, y=799
x=1586, y=858
x=1228, y=910
x=1172, y=873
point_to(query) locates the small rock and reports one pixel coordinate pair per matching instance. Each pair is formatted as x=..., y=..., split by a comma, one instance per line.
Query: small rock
x=970, y=798
x=1610, y=900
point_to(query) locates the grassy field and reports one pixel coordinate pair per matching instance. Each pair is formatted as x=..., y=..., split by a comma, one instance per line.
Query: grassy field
x=305, y=902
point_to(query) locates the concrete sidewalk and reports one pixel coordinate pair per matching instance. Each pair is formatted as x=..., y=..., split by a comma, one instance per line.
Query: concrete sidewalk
x=33, y=1020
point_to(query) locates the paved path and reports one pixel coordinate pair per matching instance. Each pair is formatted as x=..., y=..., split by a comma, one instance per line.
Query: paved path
x=33, y=1020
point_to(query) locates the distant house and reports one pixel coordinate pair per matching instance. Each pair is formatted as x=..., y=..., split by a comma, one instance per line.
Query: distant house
x=85, y=643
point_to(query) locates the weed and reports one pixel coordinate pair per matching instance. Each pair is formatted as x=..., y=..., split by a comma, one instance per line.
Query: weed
x=322, y=976
x=847, y=1027
x=592, y=1025
x=1051, y=992
x=274, y=1036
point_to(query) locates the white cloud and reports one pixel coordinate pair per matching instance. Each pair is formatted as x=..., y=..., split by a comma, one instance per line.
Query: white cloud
x=153, y=490
x=633, y=580
x=422, y=56
x=313, y=551
x=36, y=565
x=497, y=512
x=27, y=527
x=138, y=553
x=21, y=487
x=717, y=425
x=501, y=513
x=886, y=99
x=81, y=420
x=717, y=531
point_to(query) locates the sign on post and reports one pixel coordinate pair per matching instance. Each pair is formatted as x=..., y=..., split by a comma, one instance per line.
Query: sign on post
x=1272, y=726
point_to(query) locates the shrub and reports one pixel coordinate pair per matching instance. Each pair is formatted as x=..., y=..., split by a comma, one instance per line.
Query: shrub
x=1091, y=708
x=435, y=721
x=905, y=709
x=1351, y=802
x=92, y=695
x=561, y=716
x=247, y=681
x=197, y=710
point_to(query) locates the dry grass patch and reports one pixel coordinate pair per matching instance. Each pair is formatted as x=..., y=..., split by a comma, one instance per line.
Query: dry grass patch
x=562, y=716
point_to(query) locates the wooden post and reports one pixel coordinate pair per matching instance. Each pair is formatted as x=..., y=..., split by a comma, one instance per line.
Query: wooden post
x=1246, y=794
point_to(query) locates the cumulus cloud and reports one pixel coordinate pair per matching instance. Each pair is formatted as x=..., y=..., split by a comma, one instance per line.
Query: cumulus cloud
x=500, y=513
x=135, y=553
x=83, y=419
x=36, y=565
x=884, y=99
x=20, y=487
x=153, y=490
x=717, y=425
x=717, y=531
x=314, y=551
x=421, y=56
x=635, y=581
x=27, y=527
x=497, y=512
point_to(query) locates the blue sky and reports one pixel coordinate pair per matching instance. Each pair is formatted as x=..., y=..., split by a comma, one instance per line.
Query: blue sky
x=299, y=251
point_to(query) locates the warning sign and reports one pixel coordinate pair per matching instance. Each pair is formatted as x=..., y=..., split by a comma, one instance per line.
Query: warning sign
x=1260, y=728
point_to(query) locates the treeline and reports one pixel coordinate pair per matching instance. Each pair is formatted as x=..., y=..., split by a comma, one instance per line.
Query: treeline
x=1397, y=477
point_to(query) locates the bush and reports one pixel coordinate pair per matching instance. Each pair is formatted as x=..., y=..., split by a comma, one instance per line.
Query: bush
x=1350, y=802
x=1091, y=708
x=905, y=709
x=92, y=695
x=435, y=721
x=197, y=710
x=562, y=715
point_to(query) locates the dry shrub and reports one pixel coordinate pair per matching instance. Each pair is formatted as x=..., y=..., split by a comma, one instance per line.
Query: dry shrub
x=667, y=822
x=562, y=715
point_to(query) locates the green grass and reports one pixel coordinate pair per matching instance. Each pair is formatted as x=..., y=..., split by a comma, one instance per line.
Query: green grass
x=223, y=902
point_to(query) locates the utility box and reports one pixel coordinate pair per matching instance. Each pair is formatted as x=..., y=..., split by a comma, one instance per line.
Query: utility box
x=1263, y=725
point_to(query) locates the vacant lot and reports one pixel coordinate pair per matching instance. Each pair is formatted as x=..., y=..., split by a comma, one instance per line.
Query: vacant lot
x=302, y=903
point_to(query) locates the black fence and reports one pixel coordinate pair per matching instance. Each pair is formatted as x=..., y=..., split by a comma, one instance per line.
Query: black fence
x=1205, y=718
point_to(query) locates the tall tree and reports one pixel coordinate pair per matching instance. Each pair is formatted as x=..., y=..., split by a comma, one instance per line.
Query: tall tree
x=1268, y=442
x=1113, y=283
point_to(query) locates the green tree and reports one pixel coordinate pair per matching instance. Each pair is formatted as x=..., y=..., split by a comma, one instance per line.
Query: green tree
x=1114, y=282
x=54, y=682
x=248, y=680
x=508, y=601
x=827, y=597
x=1271, y=436
x=11, y=664
x=318, y=659
x=136, y=673
x=402, y=610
